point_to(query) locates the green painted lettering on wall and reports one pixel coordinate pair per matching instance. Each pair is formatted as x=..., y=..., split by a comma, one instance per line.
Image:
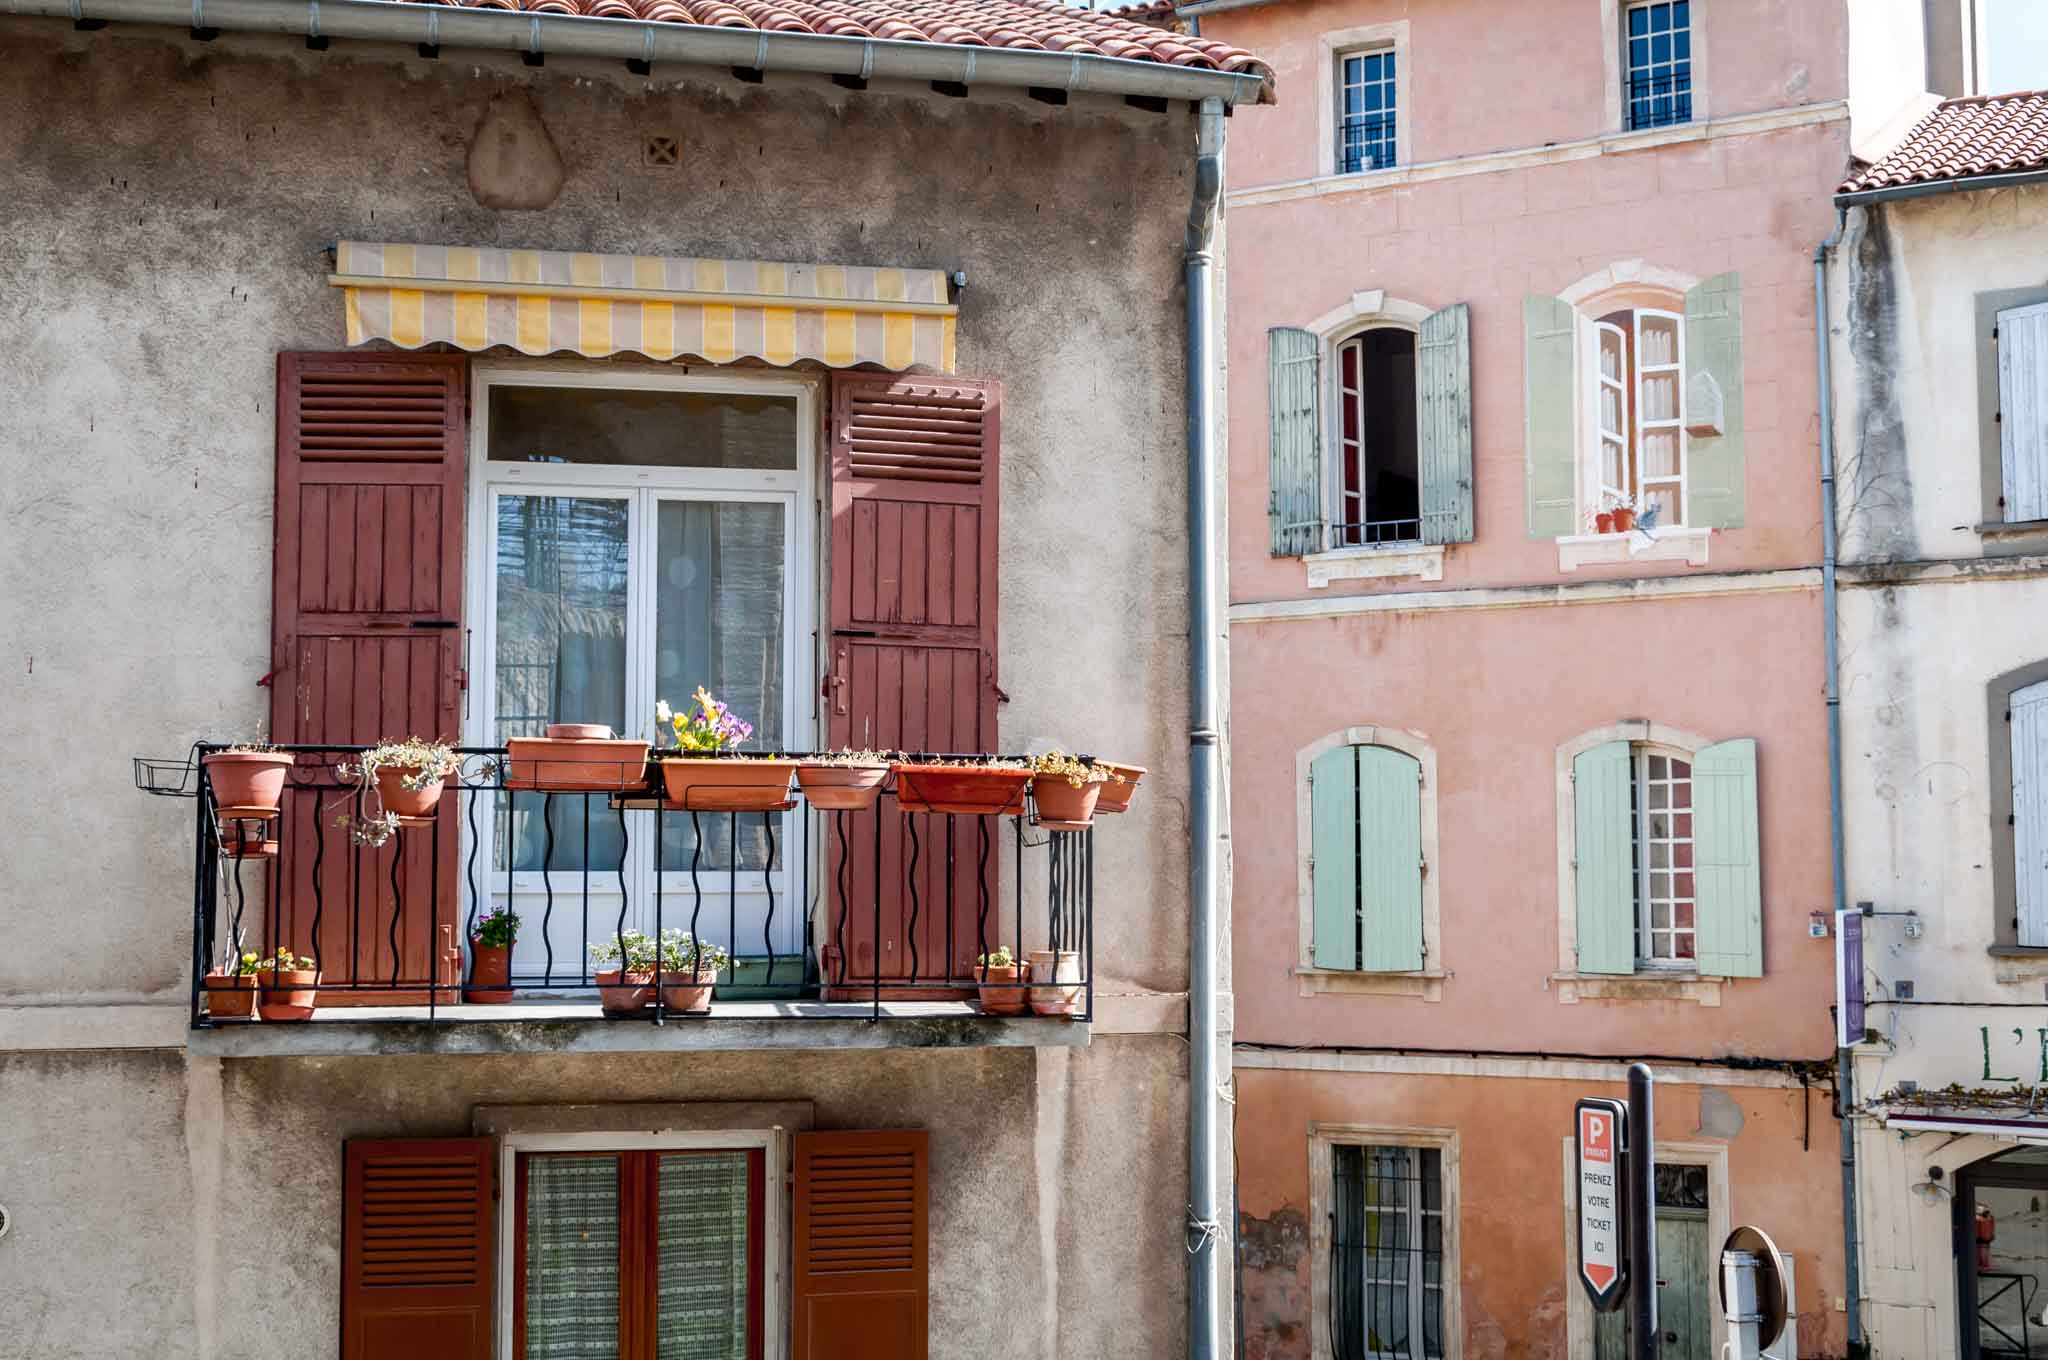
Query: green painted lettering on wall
x=1984, y=1037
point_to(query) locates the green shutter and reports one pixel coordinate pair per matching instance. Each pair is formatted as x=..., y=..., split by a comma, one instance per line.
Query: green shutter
x=1294, y=500
x=1443, y=405
x=1549, y=403
x=1713, y=367
x=1727, y=878
x=1603, y=805
x=1390, y=858
x=1333, y=820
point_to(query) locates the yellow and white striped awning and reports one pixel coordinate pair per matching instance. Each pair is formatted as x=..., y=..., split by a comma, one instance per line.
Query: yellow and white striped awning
x=663, y=307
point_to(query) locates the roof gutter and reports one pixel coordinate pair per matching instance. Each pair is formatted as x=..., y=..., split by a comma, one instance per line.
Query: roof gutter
x=1201, y=7
x=1931, y=188
x=646, y=43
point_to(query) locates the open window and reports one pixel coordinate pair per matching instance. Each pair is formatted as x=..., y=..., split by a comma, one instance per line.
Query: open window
x=1377, y=488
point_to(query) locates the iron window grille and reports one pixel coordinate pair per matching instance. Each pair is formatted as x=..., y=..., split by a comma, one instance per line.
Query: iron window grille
x=1387, y=1253
x=1658, y=59
x=1365, y=112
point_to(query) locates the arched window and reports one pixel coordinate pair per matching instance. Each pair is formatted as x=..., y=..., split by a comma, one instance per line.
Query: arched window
x=1637, y=381
x=1377, y=491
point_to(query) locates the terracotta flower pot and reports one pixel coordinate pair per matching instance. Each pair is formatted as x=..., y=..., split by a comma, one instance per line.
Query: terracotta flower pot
x=1000, y=999
x=688, y=992
x=1603, y=523
x=1064, y=805
x=230, y=997
x=287, y=993
x=841, y=788
x=490, y=974
x=246, y=840
x=1118, y=793
x=627, y=995
x=715, y=784
x=1063, y=968
x=247, y=779
x=579, y=732
x=969, y=790
x=402, y=800
x=575, y=764
x=1624, y=520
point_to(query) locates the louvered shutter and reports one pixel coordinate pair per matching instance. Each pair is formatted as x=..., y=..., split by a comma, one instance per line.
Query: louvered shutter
x=1727, y=878
x=916, y=485
x=2027, y=714
x=1443, y=404
x=367, y=632
x=416, y=1249
x=1333, y=820
x=1714, y=472
x=1549, y=402
x=861, y=1284
x=1390, y=859
x=1604, y=857
x=2023, y=411
x=1294, y=499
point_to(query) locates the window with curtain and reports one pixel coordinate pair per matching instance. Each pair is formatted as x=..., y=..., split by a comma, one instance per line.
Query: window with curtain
x=1638, y=396
x=639, y=1255
x=1387, y=1252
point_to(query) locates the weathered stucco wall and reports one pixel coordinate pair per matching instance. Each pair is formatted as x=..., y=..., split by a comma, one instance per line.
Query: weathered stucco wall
x=160, y=243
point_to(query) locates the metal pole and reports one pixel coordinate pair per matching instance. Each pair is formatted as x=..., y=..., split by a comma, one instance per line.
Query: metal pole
x=1204, y=734
x=1642, y=1212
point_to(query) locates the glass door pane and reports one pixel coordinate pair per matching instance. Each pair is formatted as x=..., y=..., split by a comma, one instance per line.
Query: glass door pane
x=701, y=1223
x=572, y=1258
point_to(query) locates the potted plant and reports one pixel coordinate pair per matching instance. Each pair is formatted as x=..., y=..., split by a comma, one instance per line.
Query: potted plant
x=403, y=779
x=1120, y=787
x=231, y=990
x=626, y=987
x=247, y=778
x=490, y=954
x=1065, y=789
x=1060, y=966
x=1624, y=514
x=576, y=758
x=706, y=771
x=1603, y=523
x=689, y=970
x=974, y=788
x=1000, y=974
x=286, y=986
x=845, y=781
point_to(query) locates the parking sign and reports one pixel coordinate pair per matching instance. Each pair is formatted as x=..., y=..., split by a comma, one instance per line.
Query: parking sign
x=1601, y=1131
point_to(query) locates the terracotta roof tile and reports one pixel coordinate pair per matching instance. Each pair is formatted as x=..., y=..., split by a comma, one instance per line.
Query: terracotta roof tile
x=1984, y=135
x=1016, y=24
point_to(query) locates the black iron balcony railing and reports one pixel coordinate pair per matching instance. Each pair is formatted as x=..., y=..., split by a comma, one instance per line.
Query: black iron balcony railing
x=873, y=913
x=1663, y=99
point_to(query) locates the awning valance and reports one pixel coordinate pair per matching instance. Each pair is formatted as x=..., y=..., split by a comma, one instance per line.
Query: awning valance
x=663, y=307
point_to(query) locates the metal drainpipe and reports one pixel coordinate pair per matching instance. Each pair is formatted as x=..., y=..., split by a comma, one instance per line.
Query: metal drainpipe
x=1205, y=1233
x=1845, y=1071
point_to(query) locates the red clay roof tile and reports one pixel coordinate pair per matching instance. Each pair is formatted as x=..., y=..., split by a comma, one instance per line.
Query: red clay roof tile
x=1982, y=135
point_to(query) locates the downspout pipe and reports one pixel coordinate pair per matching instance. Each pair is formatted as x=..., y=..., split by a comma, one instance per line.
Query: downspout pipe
x=1845, y=1058
x=1205, y=1233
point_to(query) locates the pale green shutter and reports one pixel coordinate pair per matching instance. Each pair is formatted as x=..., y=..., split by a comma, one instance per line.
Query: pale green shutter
x=1727, y=877
x=1549, y=400
x=1603, y=806
x=1333, y=821
x=1713, y=377
x=1443, y=406
x=1294, y=499
x=1390, y=858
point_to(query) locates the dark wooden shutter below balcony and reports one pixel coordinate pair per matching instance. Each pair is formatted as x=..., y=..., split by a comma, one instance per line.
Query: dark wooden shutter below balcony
x=861, y=1284
x=416, y=1249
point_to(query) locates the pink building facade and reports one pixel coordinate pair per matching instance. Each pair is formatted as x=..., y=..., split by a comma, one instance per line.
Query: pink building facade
x=1526, y=657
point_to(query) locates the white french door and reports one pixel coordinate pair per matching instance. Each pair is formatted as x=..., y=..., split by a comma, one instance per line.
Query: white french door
x=633, y=537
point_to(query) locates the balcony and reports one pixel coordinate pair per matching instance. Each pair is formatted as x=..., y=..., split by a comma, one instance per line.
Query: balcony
x=843, y=928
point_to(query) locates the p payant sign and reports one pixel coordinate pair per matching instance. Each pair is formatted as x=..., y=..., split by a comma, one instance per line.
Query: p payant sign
x=1601, y=1128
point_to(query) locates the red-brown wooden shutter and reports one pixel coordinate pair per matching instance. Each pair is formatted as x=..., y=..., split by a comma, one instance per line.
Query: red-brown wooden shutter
x=916, y=479
x=416, y=1249
x=367, y=628
x=861, y=1287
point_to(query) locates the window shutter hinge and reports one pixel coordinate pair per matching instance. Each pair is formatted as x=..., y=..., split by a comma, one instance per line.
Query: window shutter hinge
x=1998, y=417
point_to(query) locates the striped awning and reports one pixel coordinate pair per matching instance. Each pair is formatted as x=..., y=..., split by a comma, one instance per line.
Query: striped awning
x=663, y=307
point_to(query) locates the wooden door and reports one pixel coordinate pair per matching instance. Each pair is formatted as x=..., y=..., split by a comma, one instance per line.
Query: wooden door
x=367, y=628
x=912, y=662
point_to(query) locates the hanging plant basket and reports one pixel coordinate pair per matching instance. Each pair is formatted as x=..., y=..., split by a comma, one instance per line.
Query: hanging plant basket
x=247, y=780
x=576, y=758
x=841, y=788
x=1064, y=805
x=727, y=784
x=420, y=803
x=965, y=790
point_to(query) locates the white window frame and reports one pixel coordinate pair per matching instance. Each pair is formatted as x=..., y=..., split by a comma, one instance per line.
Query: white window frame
x=1340, y=83
x=773, y=1144
x=1614, y=30
x=1639, y=759
x=644, y=488
x=1331, y=48
x=1593, y=483
x=1323, y=1139
x=1334, y=494
x=2008, y=459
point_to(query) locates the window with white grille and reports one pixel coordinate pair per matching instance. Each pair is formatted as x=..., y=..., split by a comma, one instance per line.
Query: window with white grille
x=1666, y=925
x=1657, y=69
x=1636, y=387
x=1365, y=111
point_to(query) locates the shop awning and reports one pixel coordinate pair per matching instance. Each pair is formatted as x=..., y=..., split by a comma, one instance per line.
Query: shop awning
x=660, y=306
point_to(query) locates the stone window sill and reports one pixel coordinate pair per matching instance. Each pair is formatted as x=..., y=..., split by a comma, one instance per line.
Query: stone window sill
x=2018, y=963
x=1648, y=545
x=1573, y=988
x=1424, y=562
x=1997, y=527
x=1427, y=984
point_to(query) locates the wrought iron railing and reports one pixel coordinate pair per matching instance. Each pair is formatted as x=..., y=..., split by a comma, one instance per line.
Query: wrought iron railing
x=1365, y=141
x=891, y=906
x=1656, y=101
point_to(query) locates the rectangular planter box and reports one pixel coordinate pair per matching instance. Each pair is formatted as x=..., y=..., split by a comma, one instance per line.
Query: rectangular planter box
x=557, y=766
